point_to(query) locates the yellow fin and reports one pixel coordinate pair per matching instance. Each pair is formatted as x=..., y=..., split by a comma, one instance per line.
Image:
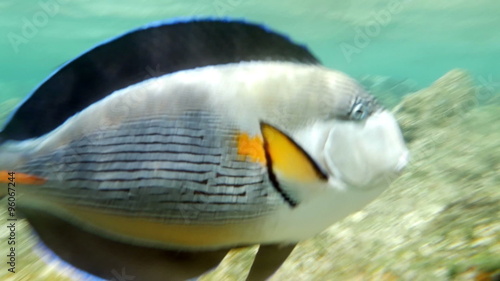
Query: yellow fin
x=20, y=178
x=287, y=158
x=157, y=233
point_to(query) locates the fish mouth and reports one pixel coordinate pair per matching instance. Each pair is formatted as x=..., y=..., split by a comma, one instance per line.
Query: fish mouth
x=366, y=154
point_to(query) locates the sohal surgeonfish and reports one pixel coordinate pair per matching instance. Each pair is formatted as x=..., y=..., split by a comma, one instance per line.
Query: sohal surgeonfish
x=163, y=148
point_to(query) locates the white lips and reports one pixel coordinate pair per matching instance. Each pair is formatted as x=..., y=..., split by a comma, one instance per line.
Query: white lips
x=366, y=154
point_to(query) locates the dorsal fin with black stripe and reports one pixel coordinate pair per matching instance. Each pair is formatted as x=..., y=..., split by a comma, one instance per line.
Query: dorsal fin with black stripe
x=151, y=51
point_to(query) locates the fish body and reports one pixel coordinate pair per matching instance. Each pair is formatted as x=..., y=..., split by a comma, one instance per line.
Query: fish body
x=220, y=155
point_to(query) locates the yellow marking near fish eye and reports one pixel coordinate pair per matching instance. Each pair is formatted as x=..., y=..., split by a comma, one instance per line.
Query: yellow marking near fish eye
x=21, y=178
x=288, y=158
x=251, y=147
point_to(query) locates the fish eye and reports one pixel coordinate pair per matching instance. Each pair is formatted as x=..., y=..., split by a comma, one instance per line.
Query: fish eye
x=359, y=110
x=362, y=107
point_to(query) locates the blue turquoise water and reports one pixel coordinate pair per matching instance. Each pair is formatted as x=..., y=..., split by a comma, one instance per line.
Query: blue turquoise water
x=402, y=39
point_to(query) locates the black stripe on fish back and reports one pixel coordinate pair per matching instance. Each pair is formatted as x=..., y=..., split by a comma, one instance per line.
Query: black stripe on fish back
x=142, y=54
x=161, y=170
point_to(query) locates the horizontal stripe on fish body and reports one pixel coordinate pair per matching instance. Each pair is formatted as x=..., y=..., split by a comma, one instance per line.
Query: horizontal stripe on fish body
x=149, y=148
x=174, y=208
x=156, y=140
x=153, y=138
x=102, y=180
x=100, y=164
x=171, y=203
x=72, y=159
x=136, y=175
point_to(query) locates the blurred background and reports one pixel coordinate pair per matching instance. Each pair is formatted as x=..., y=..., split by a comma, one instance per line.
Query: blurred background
x=439, y=221
x=403, y=39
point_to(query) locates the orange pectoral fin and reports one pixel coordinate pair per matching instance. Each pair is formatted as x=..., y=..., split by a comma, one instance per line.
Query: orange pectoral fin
x=20, y=178
x=251, y=148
